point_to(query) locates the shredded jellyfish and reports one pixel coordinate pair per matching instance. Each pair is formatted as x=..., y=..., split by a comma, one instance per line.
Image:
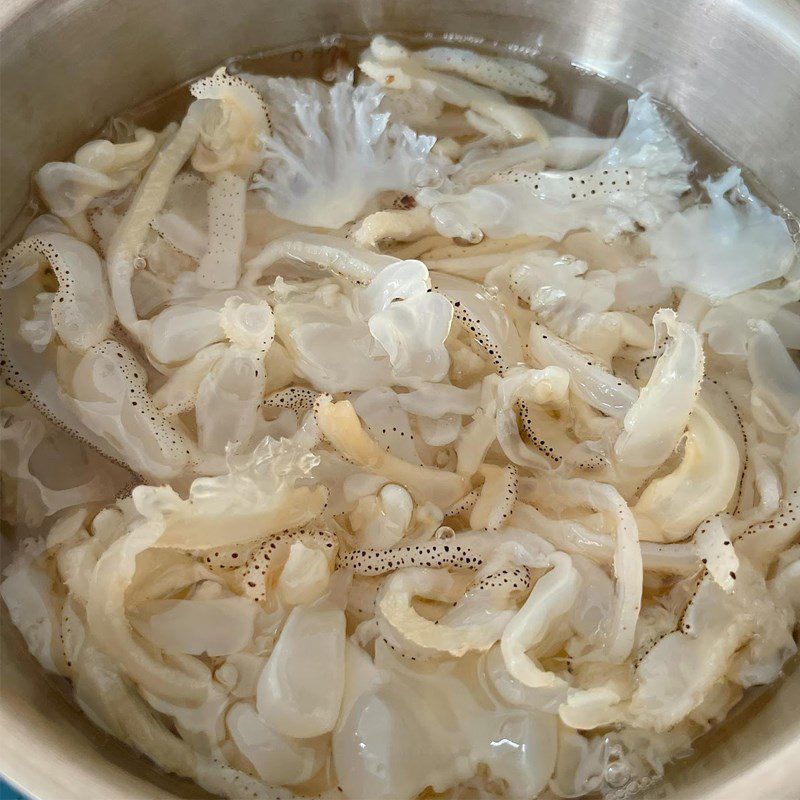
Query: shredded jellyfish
x=592, y=382
x=392, y=65
x=638, y=181
x=386, y=435
x=342, y=428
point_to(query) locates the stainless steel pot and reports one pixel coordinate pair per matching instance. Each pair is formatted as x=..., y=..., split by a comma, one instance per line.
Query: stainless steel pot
x=732, y=67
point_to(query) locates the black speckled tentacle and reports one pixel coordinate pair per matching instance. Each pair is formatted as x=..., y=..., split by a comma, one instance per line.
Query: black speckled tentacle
x=517, y=579
x=296, y=398
x=428, y=554
x=464, y=505
x=271, y=553
x=542, y=433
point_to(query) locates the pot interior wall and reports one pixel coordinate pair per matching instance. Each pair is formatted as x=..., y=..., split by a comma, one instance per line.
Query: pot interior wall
x=731, y=67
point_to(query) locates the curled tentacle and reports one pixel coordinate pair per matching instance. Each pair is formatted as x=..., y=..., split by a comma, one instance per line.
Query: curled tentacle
x=148, y=200
x=340, y=425
x=475, y=622
x=497, y=497
x=81, y=309
x=544, y=433
x=106, y=388
x=704, y=482
x=592, y=382
x=655, y=422
x=258, y=575
x=449, y=553
x=466, y=503
x=483, y=320
x=330, y=253
x=762, y=541
x=392, y=65
x=178, y=394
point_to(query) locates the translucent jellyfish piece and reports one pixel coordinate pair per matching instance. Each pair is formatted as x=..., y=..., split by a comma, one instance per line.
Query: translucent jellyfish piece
x=183, y=329
x=484, y=320
x=508, y=75
x=218, y=626
x=762, y=541
x=413, y=334
x=33, y=607
x=148, y=200
x=704, y=482
x=726, y=323
x=263, y=570
x=305, y=575
x=178, y=394
x=98, y=168
x=38, y=330
x=572, y=537
x=462, y=552
x=221, y=263
x=480, y=162
x=81, y=310
x=229, y=137
x=109, y=700
x=228, y=400
x=393, y=66
x=475, y=622
x=497, y=497
x=107, y=390
x=256, y=497
x=387, y=423
x=36, y=457
x=394, y=224
x=775, y=396
x=410, y=322
x=341, y=426
x=656, y=421
x=228, y=152
x=591, y=381
x=331, y=346
x=692, y=659
x=180, y=678
x=333, y=151
x=525, y=395
x=713, y=543
x=300, y=690
x=382, y=520
x=435, y=400
x=378, y=752
x=638, y=181
x=277, y=759
x=619, y=627
x=322, y=251
x=552, y=595
x=183, y=218
x=248, y=324
x=722, y=248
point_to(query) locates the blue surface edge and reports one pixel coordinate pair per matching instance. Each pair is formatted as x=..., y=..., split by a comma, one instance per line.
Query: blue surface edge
x=8, y=792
